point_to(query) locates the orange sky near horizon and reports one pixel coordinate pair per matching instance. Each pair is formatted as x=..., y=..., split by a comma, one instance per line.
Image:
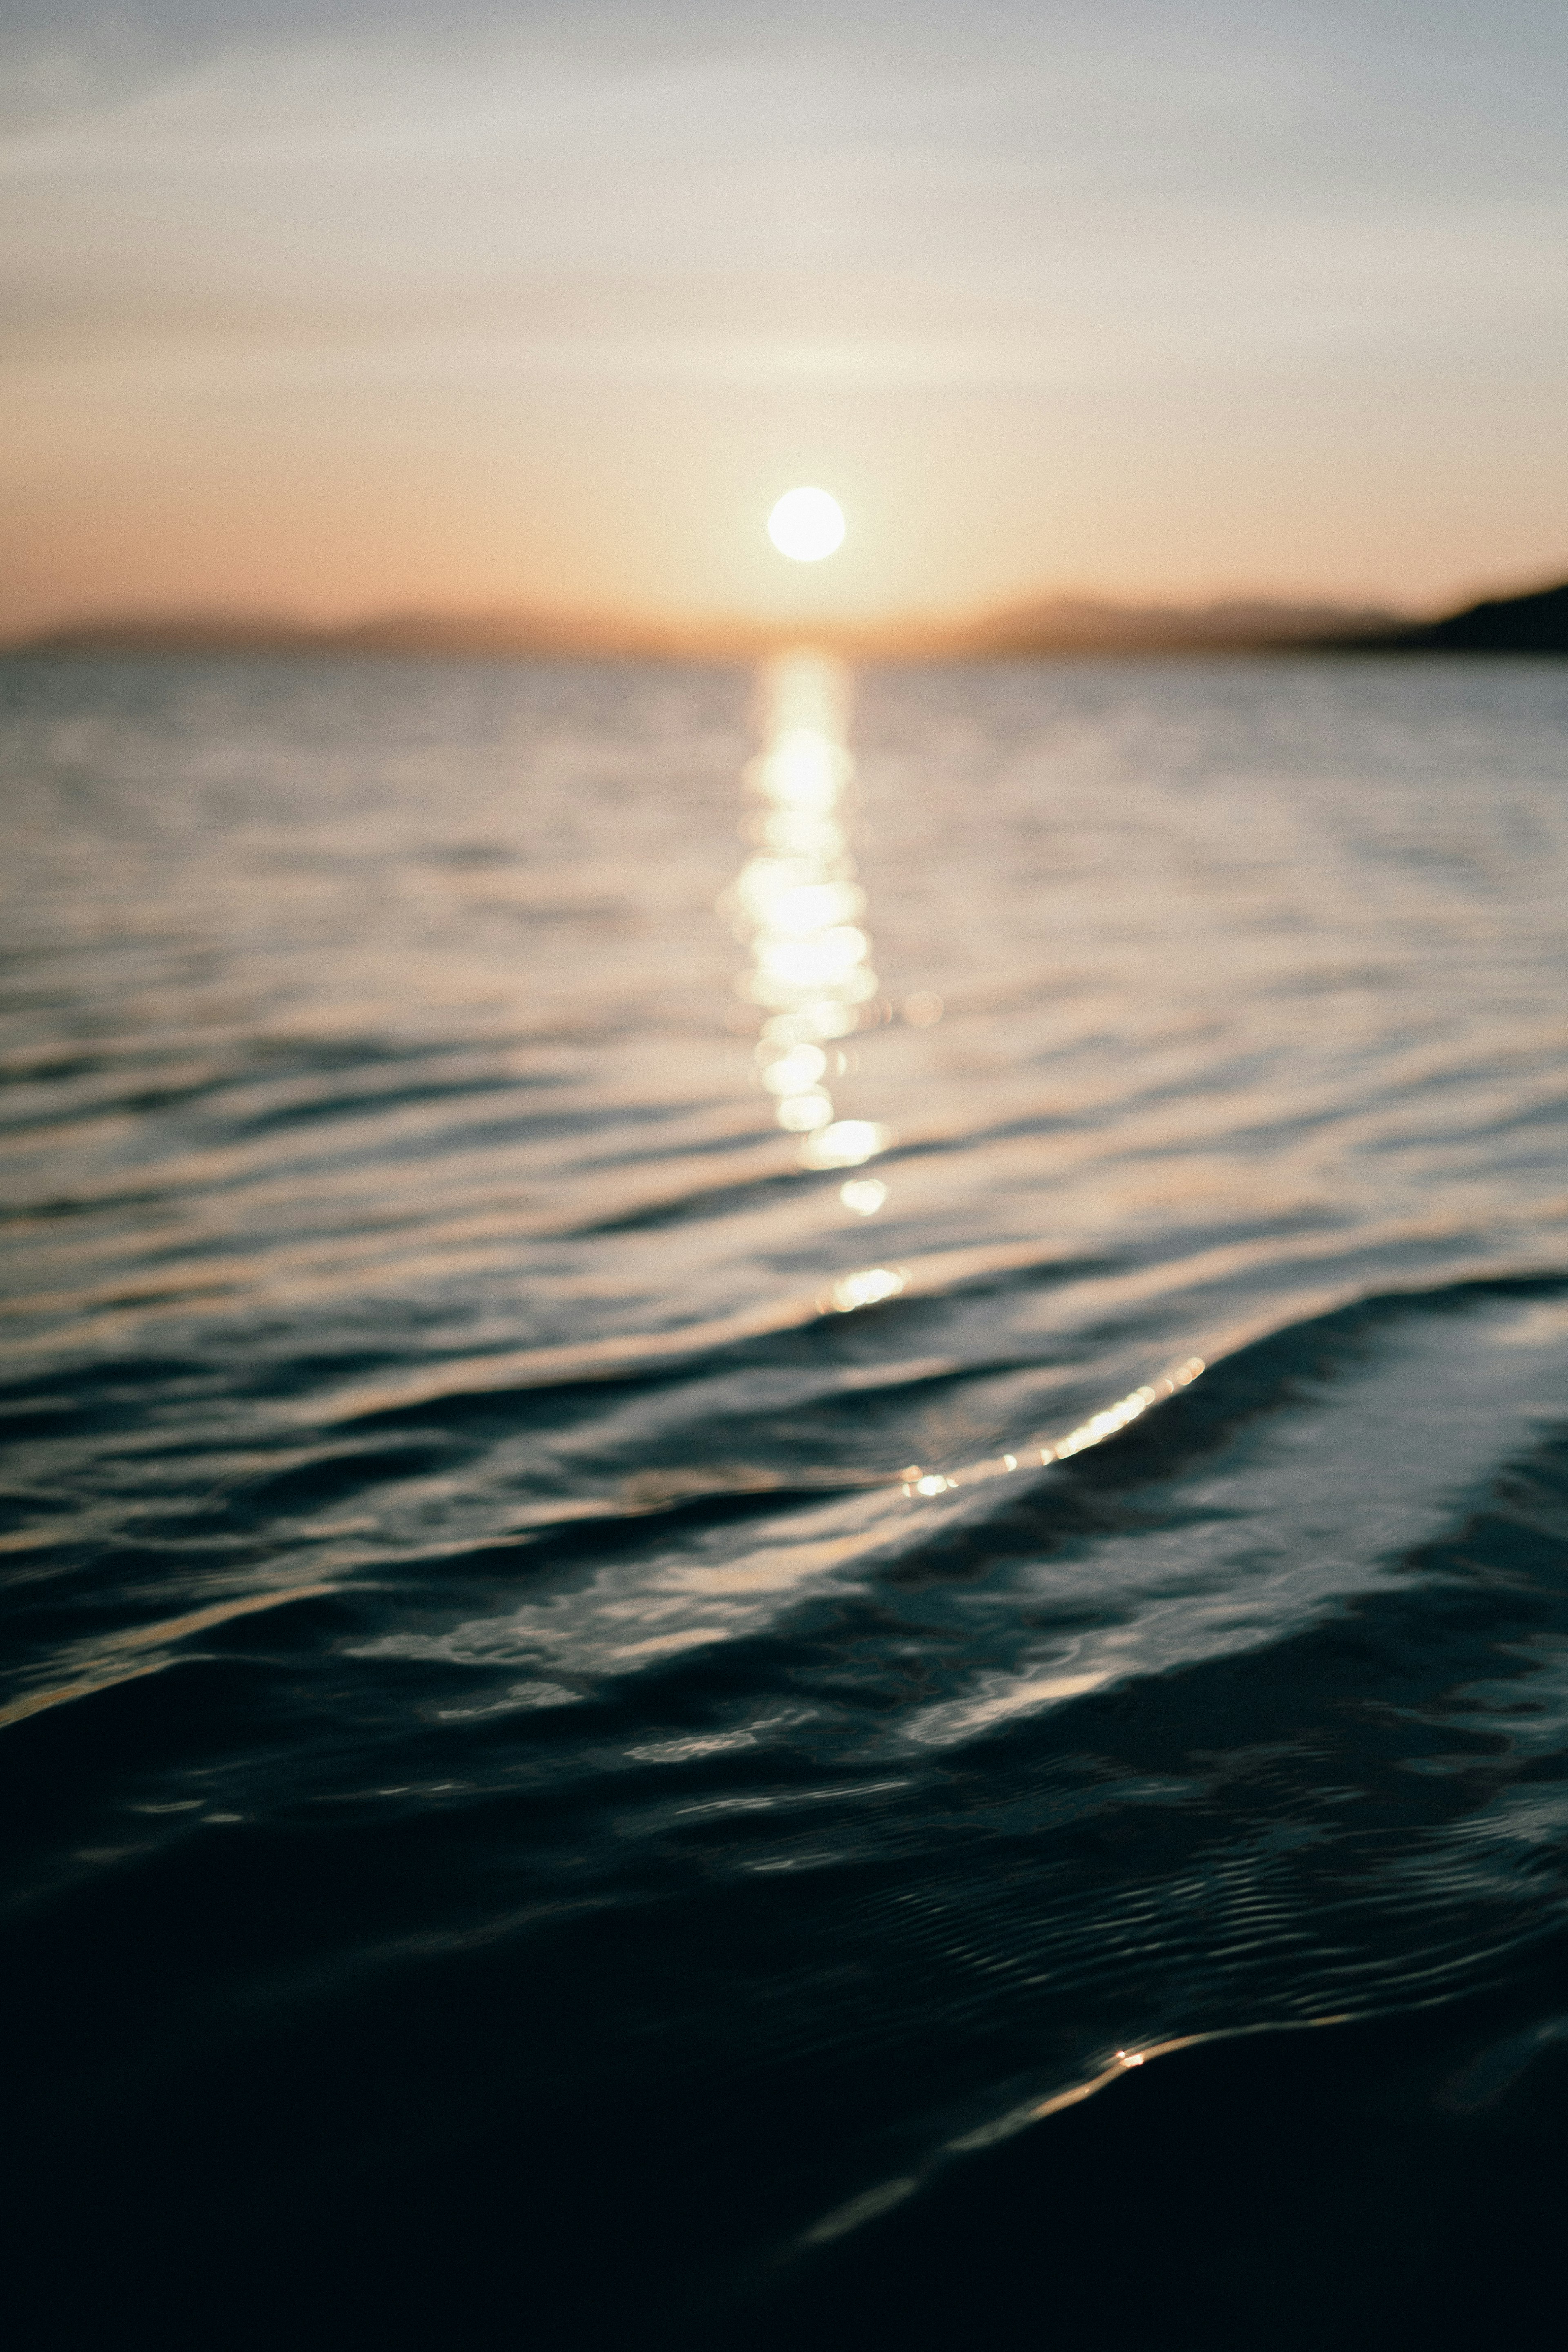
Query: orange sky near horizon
x=312, y=313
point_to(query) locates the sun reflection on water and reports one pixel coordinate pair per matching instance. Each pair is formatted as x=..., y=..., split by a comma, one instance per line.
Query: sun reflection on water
x=810, y=986
x=797, y=905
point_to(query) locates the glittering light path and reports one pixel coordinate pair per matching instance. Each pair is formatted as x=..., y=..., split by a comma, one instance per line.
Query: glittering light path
x=795, y=903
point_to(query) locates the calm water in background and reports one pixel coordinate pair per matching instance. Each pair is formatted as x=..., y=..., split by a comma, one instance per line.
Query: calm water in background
x=520, y=1815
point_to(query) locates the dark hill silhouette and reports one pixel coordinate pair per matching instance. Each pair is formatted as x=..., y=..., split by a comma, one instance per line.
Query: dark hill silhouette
x=1536, y=624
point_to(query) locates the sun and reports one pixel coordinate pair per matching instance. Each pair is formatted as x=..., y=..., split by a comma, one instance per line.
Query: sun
x=806, y=525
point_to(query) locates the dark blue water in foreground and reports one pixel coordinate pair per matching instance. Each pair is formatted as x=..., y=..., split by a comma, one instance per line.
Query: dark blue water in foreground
x=573, y=1775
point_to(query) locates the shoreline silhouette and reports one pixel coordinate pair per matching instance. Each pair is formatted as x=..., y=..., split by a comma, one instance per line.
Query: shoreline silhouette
x=1534, y=623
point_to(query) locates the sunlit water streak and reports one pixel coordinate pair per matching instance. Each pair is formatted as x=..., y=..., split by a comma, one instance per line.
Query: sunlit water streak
x=874, y=1542
x=797, y=904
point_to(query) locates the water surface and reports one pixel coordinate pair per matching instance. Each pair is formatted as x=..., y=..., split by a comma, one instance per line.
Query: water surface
x=751, y=1424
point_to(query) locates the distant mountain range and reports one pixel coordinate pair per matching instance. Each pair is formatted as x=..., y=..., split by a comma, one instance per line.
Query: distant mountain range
x=494, y=633
x=1533, y=624
x=1073, y=625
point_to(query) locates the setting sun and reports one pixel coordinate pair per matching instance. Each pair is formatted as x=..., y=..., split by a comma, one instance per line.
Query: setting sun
x=806, y=525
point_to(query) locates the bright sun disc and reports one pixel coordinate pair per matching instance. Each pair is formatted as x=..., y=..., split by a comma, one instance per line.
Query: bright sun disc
x=806, y=525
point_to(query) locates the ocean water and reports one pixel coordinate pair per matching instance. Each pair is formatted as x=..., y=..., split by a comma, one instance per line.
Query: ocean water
x=786, y=1464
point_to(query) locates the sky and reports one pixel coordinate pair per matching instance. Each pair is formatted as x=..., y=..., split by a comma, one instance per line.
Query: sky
x=359, y=306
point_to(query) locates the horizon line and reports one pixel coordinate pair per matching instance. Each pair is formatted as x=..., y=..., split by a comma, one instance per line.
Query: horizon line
x=1061, y=622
